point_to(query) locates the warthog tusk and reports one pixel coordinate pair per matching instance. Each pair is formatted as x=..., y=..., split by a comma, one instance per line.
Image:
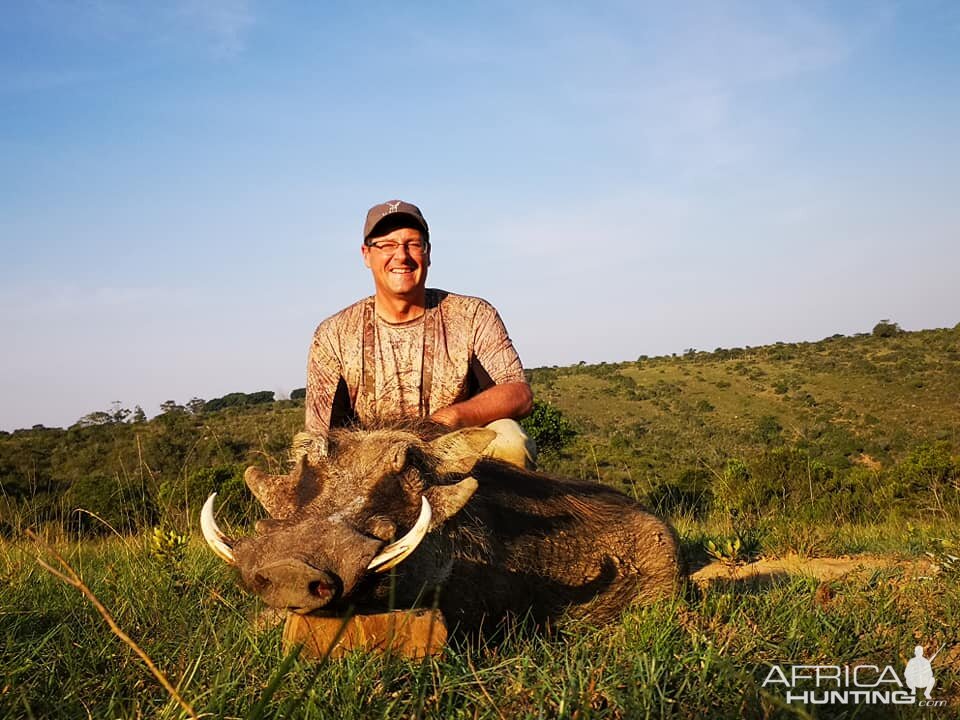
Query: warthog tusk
x=396, y=552
x=218, y=542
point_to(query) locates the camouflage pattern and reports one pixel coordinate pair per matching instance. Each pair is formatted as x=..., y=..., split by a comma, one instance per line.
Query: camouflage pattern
x=363, y=369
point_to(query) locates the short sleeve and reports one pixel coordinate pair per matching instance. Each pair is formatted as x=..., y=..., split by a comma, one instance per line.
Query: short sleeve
x=495, y=359
x=324, y=376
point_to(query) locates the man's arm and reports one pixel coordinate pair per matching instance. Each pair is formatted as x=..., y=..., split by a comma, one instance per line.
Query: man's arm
x=506, y=392
x=509, y=400
x=323, y=377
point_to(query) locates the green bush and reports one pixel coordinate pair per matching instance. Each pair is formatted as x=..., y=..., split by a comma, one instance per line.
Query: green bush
x=729, y=486
x=768, y=430
x=930, y=475
x=548, y=427
x=782, y=479
x=183, y=496
x=689, y=495
x=885, y=329
x=853, y=496
x=98, y=505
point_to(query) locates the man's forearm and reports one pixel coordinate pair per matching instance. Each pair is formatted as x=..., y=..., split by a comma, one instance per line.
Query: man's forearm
x=510, y=400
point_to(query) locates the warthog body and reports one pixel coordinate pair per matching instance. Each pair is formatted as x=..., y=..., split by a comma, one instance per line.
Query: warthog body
x=499, y=540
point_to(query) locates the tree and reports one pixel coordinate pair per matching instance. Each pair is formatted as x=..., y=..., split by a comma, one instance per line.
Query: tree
x=885, y=329
x=98, y=417
x=229, y=400
x=139, y=415
x=196, y=405
x=170, y=406
x=118, y=413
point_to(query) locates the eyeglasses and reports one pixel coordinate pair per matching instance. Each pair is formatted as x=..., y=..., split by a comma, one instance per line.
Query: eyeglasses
x=411, y=247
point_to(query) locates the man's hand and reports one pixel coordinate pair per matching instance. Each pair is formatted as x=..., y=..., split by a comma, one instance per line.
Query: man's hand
x=447, y=416
x=510, y=400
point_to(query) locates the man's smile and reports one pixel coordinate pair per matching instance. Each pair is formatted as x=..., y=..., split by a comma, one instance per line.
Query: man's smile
x=399, y=262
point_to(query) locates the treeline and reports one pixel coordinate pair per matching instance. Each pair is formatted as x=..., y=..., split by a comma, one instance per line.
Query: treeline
x=128, y=475
x=101, y=477
x=843, y=429
x=195, y=406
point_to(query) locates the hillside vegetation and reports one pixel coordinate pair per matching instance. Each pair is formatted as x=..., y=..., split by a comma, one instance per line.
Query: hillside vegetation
x=848, y=445
x=847, y=428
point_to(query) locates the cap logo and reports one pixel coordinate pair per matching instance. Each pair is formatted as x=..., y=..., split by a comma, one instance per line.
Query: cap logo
x=393, y=207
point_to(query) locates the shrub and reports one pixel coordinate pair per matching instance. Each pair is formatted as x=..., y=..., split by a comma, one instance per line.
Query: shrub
x=781, y=479
x=96, y=505
x=854, y=495
x=182, y=497
x=689, y=495
x=930, y=471
x=729, y=486
x=768, y=429
x=548, y=427
x=885, y=329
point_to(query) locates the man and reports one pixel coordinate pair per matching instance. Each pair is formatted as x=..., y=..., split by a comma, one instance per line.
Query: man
x=410, y=352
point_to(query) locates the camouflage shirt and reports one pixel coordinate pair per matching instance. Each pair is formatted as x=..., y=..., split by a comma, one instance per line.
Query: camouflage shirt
x=362, y=368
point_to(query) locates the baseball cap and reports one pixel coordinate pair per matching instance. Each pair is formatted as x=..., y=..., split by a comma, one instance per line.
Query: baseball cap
x=394, y=210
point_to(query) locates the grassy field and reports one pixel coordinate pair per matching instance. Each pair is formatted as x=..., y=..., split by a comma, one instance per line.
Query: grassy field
x=706, y=653
x=843, y=447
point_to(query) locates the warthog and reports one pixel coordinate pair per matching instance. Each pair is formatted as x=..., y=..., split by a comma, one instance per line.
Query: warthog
x=493, y=540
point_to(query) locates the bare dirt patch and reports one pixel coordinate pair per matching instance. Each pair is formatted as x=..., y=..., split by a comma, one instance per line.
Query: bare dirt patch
x=822, y=568
x=868, y=462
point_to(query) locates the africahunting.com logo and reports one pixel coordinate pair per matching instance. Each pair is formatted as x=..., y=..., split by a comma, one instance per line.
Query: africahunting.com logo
x=858, y=684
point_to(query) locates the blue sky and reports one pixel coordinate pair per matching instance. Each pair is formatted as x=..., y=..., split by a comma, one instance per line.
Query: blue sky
x=183, y=184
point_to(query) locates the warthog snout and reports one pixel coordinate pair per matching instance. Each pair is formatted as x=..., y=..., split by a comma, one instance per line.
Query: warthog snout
x=296, y=585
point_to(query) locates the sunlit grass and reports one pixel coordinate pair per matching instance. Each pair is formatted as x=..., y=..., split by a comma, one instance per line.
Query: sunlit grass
x=703, y=654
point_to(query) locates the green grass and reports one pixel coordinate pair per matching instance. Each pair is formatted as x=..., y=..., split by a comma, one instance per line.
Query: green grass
x=844, y=446
x=843, y=397
x=704, y=654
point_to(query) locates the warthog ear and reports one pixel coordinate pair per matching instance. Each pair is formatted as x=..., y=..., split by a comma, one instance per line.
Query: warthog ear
x=447, y=500
x=459, y=451
x=281, y=495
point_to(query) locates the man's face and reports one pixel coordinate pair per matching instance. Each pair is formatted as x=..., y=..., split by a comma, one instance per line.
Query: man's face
x=400, y=274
